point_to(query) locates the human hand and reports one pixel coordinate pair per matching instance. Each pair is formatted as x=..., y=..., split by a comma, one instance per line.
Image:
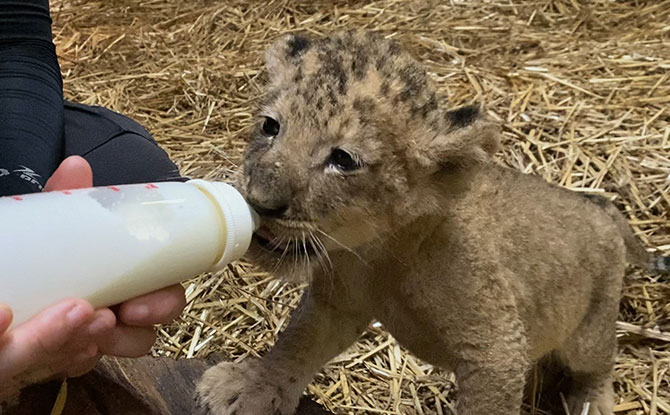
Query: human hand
x=67, y=339
x=61, y=341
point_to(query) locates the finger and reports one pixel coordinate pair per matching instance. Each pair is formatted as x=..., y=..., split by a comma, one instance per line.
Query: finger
x=84, y=362
x=5, y=318
x=102, y=324
x=128, y=341
x=42, y=337
x=159, y=307
x=99, y=327
x=73, y=173
x=82, y=368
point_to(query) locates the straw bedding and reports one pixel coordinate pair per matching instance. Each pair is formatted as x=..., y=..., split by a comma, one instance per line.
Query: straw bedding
x=582, y=89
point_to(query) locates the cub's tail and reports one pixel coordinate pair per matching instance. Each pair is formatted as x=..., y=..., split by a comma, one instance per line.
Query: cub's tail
x=636, y=254
x=660, y=265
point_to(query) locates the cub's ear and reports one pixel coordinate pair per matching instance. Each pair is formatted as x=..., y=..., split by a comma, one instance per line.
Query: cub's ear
x=469, y=138
x=284, y=56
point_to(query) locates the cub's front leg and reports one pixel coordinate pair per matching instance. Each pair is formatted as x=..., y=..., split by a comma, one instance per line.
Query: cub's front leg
x=491, y=366
x=273, y=385
x=491, y=386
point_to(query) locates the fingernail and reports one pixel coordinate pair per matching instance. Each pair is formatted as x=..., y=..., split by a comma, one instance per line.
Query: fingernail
x=139, y=312
x=60, y=310
x=77, y=315
x=6, y=317
x=5, y=309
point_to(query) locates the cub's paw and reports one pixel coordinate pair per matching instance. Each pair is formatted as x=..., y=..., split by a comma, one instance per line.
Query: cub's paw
x=593, y=401
x=245, y=389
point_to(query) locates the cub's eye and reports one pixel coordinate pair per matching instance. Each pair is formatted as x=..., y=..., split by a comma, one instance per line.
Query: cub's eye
x=270, y=127
x=342, y=160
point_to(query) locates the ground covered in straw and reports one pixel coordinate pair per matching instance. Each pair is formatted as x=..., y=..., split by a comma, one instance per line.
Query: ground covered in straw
x=582, y=89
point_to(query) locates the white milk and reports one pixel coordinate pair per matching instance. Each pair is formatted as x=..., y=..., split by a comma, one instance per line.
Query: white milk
x=110, y=244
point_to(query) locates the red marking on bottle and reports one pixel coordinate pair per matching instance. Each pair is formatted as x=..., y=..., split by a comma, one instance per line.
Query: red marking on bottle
x=151, y=186
x=19, y=198
x=114, y=188
x=66, y=192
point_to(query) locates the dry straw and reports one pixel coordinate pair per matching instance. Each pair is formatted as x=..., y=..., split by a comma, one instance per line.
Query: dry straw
x=581, y=87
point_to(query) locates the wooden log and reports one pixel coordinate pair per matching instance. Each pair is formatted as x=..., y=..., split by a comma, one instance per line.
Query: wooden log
x=145, y=386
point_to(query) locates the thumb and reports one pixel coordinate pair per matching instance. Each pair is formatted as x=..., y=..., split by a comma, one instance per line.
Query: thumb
x=73, y=173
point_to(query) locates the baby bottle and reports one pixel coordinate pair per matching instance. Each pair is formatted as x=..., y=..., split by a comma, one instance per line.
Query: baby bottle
x=109, y=244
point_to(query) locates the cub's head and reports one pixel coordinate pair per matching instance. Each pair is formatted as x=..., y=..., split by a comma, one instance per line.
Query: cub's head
x=350, y=144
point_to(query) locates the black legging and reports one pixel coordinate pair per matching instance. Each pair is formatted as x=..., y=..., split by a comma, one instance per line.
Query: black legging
x=31, y=97
x=37, y=130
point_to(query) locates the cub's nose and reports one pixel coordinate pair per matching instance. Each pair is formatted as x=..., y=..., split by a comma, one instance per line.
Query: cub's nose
x=268, y=192
x=270, y=212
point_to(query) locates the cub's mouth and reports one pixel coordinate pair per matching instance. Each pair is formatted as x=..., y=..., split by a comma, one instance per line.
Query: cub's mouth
x=284, y=243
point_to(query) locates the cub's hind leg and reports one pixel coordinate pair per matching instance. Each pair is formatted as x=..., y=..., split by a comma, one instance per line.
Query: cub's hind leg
x=589, y=356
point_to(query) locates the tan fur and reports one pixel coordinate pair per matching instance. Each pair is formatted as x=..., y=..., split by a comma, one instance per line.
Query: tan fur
x=474, y=267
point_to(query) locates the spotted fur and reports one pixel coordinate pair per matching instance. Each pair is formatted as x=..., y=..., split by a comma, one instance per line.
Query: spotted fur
x=474, y=267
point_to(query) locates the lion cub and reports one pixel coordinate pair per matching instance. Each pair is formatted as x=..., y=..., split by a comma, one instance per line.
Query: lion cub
x=391, y=208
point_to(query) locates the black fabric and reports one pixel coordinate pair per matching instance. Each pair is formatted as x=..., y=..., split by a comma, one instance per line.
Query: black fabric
x=31, y=103
x=119, y=150
x=38, y=130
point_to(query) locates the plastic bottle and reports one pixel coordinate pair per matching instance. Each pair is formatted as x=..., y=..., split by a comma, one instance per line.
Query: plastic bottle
x=109, y=244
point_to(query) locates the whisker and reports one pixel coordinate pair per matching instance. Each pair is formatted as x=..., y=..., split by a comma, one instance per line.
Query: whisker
x=306, y=256
x=317, y=251
x=294, y=244
x=343, y=246
x=321, y=250
x=283, y=255
x=285, y=250
x=276, y=242
x=324, y=259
